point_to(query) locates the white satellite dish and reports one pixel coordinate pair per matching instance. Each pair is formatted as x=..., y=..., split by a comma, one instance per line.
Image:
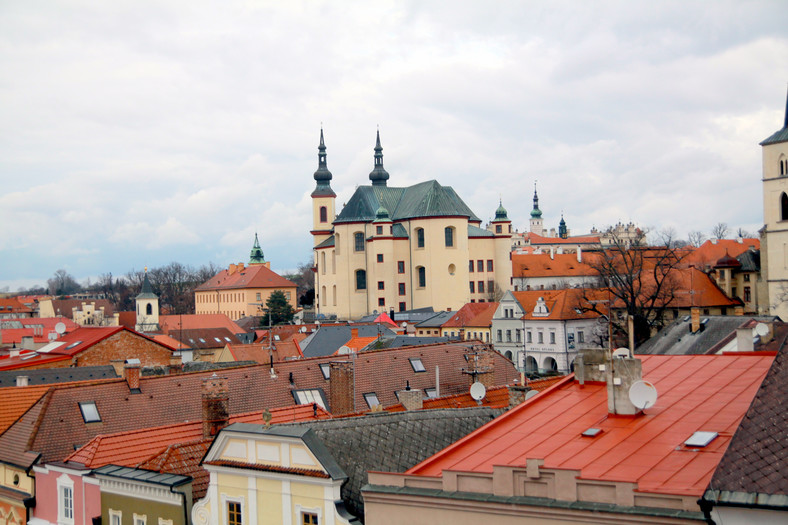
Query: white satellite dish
x=530, y=394
x=478, y=391
x=642, y=394
x=621, y=352
x=344, y=350
x=60, y=328
x=761, y=329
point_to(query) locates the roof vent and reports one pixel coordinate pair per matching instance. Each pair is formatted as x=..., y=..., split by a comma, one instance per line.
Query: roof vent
x=700, y=439
x=592, y=432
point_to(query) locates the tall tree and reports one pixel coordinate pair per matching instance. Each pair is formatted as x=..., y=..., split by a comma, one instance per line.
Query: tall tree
x=63, y=283
x=281, y=312
x=304, y=278
x=720, y=230
x=696, y=238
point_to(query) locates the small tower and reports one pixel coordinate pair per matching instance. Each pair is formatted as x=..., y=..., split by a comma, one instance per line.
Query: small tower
x=256, y=256
x=378, y=175
x=502, y=229
x=537, y=227
x=147, y=308
x=501, y=223
x=562, y=231
x=323, y=197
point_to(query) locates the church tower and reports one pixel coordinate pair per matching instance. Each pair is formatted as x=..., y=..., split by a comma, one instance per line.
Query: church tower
x=378, y=175
x=537, y=227
x=323, y=198
x=775, y=217
x=147, y=308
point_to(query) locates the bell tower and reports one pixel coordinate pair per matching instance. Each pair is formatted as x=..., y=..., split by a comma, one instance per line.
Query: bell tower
x=147, y=308
x=323, y=198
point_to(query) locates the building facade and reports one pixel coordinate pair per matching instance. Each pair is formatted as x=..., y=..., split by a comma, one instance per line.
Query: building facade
x=401, y=248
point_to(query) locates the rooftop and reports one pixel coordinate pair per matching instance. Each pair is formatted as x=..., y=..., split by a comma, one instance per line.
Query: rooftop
x=248, y=277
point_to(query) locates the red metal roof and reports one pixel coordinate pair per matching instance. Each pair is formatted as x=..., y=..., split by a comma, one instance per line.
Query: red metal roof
x=37, y=327
x=197, y=321
x=710, y=393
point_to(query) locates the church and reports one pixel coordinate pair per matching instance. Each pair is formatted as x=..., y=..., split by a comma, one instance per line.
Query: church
x=401, y=248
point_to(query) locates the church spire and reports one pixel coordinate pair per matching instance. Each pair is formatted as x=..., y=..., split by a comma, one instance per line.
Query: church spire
x=536, y=212
x=322, y=175
x=562, y=228
x=378, y=175
x=256, y=255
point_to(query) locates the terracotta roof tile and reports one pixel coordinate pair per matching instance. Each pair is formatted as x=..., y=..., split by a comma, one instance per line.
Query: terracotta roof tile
x=472, y=314
x=542, y=265
x=197, y=321
x=252, y=276
x=708, y=253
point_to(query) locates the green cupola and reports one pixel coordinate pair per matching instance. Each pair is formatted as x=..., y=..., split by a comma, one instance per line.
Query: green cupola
x=378, y=175
x=500, y=213
x=536, y=213
x=256, y=256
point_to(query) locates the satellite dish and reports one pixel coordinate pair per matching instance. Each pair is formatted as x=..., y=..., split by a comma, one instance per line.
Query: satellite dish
x=761, y=329
x=478, y=391
x=621, y=352
x=60, y=328
x=642, y=394
x=344, y=350
x=530, y=394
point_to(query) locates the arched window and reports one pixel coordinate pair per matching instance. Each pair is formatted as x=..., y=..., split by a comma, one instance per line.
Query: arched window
x=323, y=214
x=149, y=307
x=530, y=364
x=550, y=364
x=422, y=273
x=448, y=234
x=419, y=237
x=783, y=165
x=323, y=296
x=333, y=261
x=358, y=242
x=323, y=263
x=336, y=243
x=783, y=207
x=334, y=295
x=361, y=280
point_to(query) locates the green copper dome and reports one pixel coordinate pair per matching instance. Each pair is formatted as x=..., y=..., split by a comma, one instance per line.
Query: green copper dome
x=382, y=215
x=500, y=213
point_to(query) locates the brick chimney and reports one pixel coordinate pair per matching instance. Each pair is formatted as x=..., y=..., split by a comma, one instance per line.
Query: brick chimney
x=517, y=394
x=695, y=320
x=176, y=364
x=215, y=405
x=131, y=372
x=411, y=399
x=341, y=388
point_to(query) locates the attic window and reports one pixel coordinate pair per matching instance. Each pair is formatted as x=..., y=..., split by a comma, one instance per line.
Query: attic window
x=307, y=397
x=325, y=369
x=591, y=432
x=90, y=413
x=218, y=340
x=372, y=399
x=202, y=340
x=72, y=345
x=227, y=339
x=700, y=439
x=431, y=392
x=417, y=365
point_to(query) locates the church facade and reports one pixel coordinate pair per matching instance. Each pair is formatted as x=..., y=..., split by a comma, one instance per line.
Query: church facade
x=400, y=248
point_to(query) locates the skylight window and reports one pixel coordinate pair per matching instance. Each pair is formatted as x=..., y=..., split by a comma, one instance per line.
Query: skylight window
x=592, y=432
x=372, y=399
x=325, y=369
x=90, y=413
x=417, y=365
x=227, y=339
x=72, y=345
x=202, y=340
x=307, y=397
x=700, y=439
x=431, y=392
x=217, y=340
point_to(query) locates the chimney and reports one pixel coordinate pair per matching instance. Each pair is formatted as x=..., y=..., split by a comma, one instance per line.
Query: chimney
x=579, y=254
x=215, y=405
x=411, y=399
x=22, y=380
x=353, y=333
x=517, y=394
x=240, y=266
x=27, y=342
x=131, y=372
x=176, y=364
x=231, y=269
x=591, y=365
x=744, y=341
x=695, y=320
x=620, y=375
x=552, y=253
x=341, y=388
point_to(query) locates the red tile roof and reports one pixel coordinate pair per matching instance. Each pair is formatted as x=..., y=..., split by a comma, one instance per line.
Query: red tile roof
x=542, y=265
x=696, y=393
x=472, y=314
x=562, y=304
x=168, y=323
x=259, y=352
x=708, y=253
x=252, y=276
x=13, y=305
x=580, y=239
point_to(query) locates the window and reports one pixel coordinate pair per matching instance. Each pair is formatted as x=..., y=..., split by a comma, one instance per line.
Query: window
x=258, y=298
x=747, y=296
x=323, y=214
x=380, y=257
x=784, y=207
x=517, y=336
x=90, y=413
x=448, y=233
x=308, y=518
x=417, y=365
x=473, y=287
x=400, y=266
x=581, y=337
x=479, y=265
x=746, y=277
x=489, y=265
x=552, y=338
x=381, y=285
x=372, y=399
x=234, y=513
x=381, y=301
x=115, y=517
x=139, y=519
x=307, y=397
x=379, y=230
x=540, y=337
x=419, y=237
x=361, y=280
x=480, y=286
x=470, y=266
x=431, y=392
x=500, y=336
x=149, y=307
x=508, y=336
x=401, y=288
x=528, y=337
x=325, y=369
x=65, y=488
x=498, y=228
x=402, y=307
x=422, y=272
x=162, y=521
x=358, y=242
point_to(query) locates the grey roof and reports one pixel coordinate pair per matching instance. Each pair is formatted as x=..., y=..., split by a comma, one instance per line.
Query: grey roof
x=391, y=442
x=750, y=261
x=328, y=243
x=57, y=375
x=145, y=476
x=414, y=316
x=676, y=339
x=475, y=231
x=147, y=290
x=326, y=340
x=426, y=199
x=436, y=320
x=406, y=340
x=781, y=135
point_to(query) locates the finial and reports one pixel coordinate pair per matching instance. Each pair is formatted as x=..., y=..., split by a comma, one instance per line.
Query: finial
x=146, y=269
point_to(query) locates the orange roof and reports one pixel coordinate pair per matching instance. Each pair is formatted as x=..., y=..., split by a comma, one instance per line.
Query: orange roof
x=561, y=304
x=13, y=305
x=472, y=314
x=708, y=253
x=696, y=393
x=358, y=343
x=17, y=401
x=252, y=276
x=197, y=321
x=580, y=239
x=129, y=449
x=542, y=265
x=37, y=327
x=696, y=288
x=166, y=340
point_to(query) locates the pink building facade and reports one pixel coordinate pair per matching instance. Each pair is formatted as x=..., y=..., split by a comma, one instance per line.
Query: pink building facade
x=65, y=495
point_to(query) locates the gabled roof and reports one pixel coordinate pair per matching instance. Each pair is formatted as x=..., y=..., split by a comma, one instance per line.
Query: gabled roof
x=562, y=305
x=535, y=239
x=329, y=338
x=542, y=265
x=472, y=315
x=250, y=277
x=426, y=199
x=261, y=353
x=46, y=376
x=197, y=321
x=708, y=253
x=436, y=320
x=204, y=337
x=64, y=307
x=409, y=340
x=13, y=305
x=696, y=393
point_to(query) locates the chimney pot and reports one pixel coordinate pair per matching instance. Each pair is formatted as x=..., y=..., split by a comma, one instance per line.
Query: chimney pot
x=215, y=405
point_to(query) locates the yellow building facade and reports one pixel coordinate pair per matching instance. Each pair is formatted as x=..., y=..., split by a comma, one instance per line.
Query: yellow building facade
x=400, y=248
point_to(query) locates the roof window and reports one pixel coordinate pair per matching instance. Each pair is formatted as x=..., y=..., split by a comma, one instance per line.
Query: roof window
x=307, y=397
x=417, y=365
x=90, y=413
x=325, y=369
x=591, y=432
x=72, y=345
x=372, y=399
x=202, y=340
x=431, y=392
x=700, y=439
x=217, y=340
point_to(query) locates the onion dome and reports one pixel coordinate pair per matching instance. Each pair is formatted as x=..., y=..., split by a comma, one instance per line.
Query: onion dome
x=726, y=261
x=382, y=215
x=500, y=213
x=378, y=175
x=322, y=175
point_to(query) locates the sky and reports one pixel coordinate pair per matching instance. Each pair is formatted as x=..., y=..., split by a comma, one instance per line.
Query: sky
x=137, y=133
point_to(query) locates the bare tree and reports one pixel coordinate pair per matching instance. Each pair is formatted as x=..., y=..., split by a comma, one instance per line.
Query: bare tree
x=62, y=283
x=696, y=238
x=720, y=230
x=744, y=234
x=304, y=278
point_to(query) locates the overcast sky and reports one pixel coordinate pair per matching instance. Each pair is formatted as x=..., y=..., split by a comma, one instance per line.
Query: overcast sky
x=138, y=133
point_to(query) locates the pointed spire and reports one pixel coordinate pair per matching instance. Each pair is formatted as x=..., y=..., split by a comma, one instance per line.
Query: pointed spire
x=536, y=212
x=322, y=176
x=256, y=255
x=785, y=124
x=562, y=232
x=378, y=175
x=147, y=289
